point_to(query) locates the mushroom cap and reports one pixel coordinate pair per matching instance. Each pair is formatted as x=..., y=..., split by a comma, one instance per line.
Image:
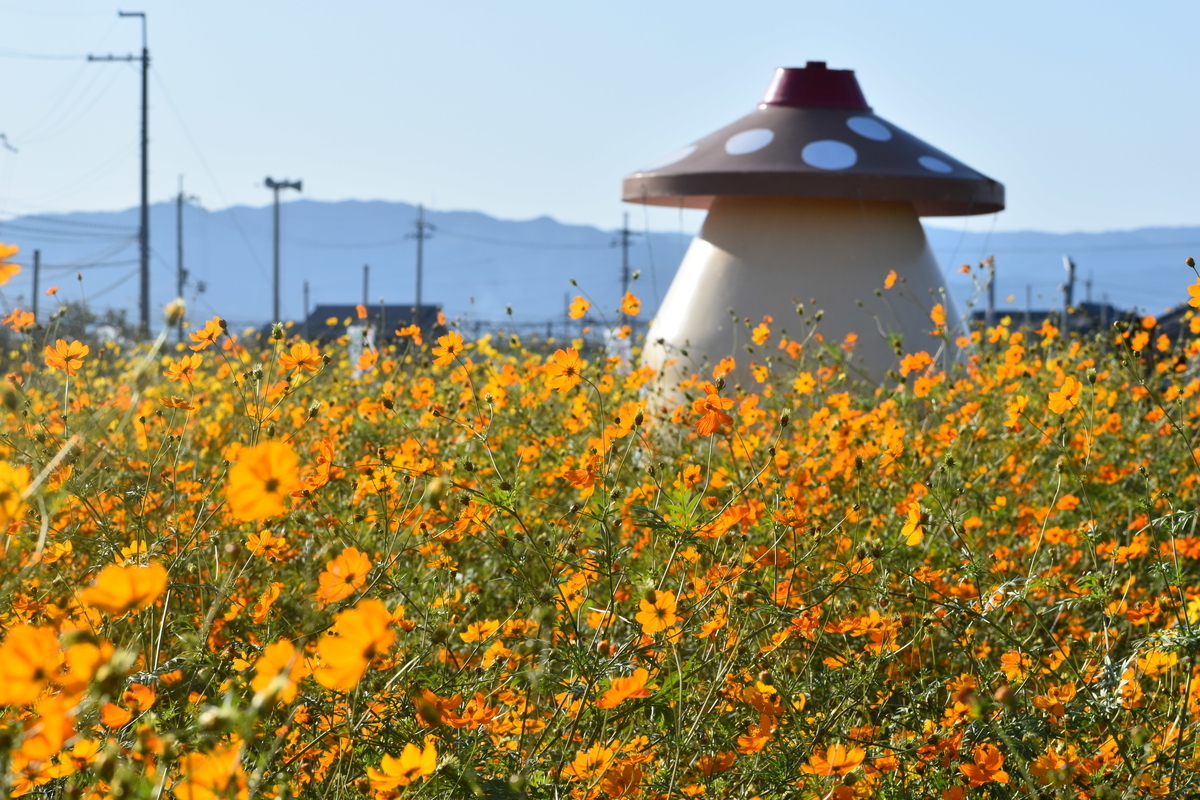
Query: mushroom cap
x=814, y=135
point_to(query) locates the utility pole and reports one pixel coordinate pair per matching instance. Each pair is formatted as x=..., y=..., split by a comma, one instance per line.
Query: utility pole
x=181, y=274
x=37, y=280
x=623, y=241
x=277, y=186
x=1028, y=305
x=424, y=231
x=1088, y=285
x=991, y=293
x=366, y=282
x=144, y=226
x=1068, y=294
x=306, y=309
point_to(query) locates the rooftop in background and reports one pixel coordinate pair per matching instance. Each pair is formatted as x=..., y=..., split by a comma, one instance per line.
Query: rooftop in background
x=328, y=322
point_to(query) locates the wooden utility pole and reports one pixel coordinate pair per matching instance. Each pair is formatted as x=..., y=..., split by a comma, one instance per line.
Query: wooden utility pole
x=144, y=224
x=424, y=230
x=623, y=240
x=277, y=186
x=991, y=293
x=1068, y=294
x=181, y=274
x=306, y=309
x=37, y=276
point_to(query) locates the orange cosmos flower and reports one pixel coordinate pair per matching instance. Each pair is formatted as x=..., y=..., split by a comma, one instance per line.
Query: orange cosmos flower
x=763, y=332
x=836, y=761
x=7, y=268
x=657, y=612
x=590, y=764
x=565, y=370
x=184, y=368
x=711, y=409
x=139, y=697
x=207, y=335
x=585, y=479
x=49, y=727
x=28, y=657
x=1015, y=665
x=360, y=635
x=175, y=401
x=118, y=590
x=261, y=478
x=1066, y=397
x=214, y=775
x=914, y=527
x=631, y=306
x=480, y=631
x=449, y=346
x=13, y=483
x=394, y=772
x=301, y=356
x=414, y=331
x=938, y=315
x=366, y=361
x=278, y=670
x=579, y=307
x=988, y=766
x=361, y=310
x=890, y=280
x=915, y=362
x=1194, y=291
x=343, y=576
x=67, y=357
x=19, y=320
x=624, y=689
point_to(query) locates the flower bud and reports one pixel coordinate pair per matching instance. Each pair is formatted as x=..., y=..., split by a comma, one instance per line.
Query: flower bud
x=173, y=311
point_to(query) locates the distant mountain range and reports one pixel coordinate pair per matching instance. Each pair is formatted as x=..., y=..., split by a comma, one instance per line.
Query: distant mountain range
x=476, y=265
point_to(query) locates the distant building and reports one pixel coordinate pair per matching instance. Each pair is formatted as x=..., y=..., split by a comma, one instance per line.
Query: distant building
x=329, y=322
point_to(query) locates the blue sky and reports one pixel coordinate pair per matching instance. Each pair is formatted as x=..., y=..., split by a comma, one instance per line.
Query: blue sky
x=1086, y=111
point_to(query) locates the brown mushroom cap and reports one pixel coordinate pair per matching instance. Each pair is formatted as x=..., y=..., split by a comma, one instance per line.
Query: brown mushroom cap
x=814, y=135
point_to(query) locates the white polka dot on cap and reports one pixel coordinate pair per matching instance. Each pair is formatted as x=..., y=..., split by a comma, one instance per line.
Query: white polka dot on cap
x=934, y=164
x=749, y=141
x=829, y=154
x=869, y=128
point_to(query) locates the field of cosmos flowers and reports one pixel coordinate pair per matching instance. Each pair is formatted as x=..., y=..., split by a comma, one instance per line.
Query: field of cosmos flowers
x=247, y=568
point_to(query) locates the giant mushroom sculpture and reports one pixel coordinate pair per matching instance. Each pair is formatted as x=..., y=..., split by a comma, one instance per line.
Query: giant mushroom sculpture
x=810, y=197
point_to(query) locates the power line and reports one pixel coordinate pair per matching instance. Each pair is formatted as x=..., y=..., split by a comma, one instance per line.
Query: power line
x=529, y=245
x=74, y=223
x=213, y=178
x=40, y=56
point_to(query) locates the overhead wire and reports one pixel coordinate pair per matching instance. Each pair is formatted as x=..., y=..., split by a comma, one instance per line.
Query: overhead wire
x=208, y=170
x=118, y=159
x=66, y=121
x=528, y=245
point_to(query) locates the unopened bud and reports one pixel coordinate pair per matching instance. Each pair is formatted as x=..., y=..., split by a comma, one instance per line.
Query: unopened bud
x=1191, y=262
x=174, y=311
